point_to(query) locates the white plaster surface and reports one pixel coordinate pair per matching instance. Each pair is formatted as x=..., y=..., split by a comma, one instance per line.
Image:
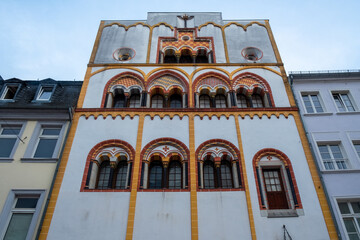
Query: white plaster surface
x=207, y=129
x=160, y=31
x=223, y=215
x=157, y=128
x=215, y=32
x=162, y=216
x=282, y=134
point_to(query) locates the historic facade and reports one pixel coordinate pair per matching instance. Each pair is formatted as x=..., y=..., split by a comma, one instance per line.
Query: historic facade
x=35, y=117
x=186, y=128
x=329, y=105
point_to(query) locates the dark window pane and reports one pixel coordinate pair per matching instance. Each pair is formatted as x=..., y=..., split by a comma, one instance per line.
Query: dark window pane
x=175, y=101
x=226, y=177
x=134, y=101
x=10, y=92
x=241, y=101
x=104, y=174
x=18, y=226
x=155, y=176
x=11, y=131
x=6, y=146
x=26, y=203
x=204, y=101
x=220, y=101
x=344, y=208
x=45, y=148
x=45, y=93
x=209, y=178
x=257, y=101
x=175, y=175
x=157, y=101
x=121, y=176
x=51, y=131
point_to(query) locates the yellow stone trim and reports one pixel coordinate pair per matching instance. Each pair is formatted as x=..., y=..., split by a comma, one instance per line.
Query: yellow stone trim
x=127, y=27
x=97, y=41
x=243, y=68
x=59, y=178
x=119, y=67
x=225, y=45
x=161, y=114
x=208, y=23
x=149, y=46
x=209, y=68
x=182, y=64
x=84, y=88
x=243, y=26
x=246, y=184
x=162, y=23
x=166, y=68
x=193, y=190
x=134, y=180
x=288, y=88
x=316, y=179
x=273, y=43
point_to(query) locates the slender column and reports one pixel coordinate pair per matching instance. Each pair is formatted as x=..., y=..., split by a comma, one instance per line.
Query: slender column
x=148, y=101
x=127, y=174
x=110, y=99
x=146, y=174
x=228, y=98
x=201, y=174
x=165, y=172
x=235, y=175
x=94, y=173
x=184, y=100
x=183, y=175
x=111, y=176
x=197, y=97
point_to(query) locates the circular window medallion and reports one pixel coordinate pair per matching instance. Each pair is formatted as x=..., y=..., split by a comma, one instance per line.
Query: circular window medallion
x=185, y=38
x=252, y=54
x=124, y=54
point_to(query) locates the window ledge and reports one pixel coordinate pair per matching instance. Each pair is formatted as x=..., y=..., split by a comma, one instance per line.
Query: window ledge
x=318, y=114
x=348, y=113
x=280, y=213
x=5, y=160
x=340, y=171
x=7, y=100
x=39, y=160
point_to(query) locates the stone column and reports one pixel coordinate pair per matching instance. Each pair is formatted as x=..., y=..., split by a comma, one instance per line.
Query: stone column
x=235, y=175
x=146, y=173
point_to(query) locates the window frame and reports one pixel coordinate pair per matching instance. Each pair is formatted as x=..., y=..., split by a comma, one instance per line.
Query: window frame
x=18, y=137
x=333, y=160
x=29, y=155
x=6, y=89
x=309, y=94
x=8, y=210
x=355, y=143
x=351, y=100
x=40, y=90
x=352, y=214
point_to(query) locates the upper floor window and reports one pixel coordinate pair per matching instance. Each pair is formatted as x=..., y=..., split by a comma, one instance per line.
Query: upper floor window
x=104, y=174
x=350, y=212
x=357, y=148
x=312, y=103
x=8, y=138
x=157, y=101
x=204, y=101
x=45, y=93
x=332, y=157
x=257, y=101
x=175, y=175
x=170, y=56
x=134, y=101
x=9, y=92
x=156, y=175
x=119, y=99
x=47, y=142
x=209, y=174
x=186, y=56
x=242, y=101
x=220, y=101
x=175, y=101
x=343, y=102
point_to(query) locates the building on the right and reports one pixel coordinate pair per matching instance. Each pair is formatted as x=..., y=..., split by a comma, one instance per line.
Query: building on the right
x=329, y=104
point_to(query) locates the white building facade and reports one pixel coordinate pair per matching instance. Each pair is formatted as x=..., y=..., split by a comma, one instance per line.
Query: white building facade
x=329, y=104
x=186, y=128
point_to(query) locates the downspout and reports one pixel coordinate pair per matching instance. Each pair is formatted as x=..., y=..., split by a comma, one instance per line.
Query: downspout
x=70, y=112
x=317, y=165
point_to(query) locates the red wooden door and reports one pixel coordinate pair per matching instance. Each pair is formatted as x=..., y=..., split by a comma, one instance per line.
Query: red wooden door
x=274, y=188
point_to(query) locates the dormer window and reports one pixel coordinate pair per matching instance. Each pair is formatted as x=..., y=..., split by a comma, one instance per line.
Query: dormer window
x=9, y=92
x=45, y=93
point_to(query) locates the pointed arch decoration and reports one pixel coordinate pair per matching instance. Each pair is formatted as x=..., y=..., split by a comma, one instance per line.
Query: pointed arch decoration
x=167, y=79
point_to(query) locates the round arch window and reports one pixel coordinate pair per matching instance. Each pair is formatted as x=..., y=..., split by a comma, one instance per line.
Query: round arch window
x=124, y=54
x=252, y=54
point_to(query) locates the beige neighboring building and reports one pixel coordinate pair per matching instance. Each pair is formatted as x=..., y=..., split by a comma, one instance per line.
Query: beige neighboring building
x=34, y=120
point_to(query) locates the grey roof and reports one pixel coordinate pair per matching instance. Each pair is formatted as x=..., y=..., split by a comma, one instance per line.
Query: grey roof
x=65, y=95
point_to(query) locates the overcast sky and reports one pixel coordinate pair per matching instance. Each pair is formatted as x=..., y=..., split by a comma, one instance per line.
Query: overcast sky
x=48, y=38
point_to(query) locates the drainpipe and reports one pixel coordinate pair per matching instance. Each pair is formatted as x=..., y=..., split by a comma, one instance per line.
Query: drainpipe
x=317, y=164
x=71, y=112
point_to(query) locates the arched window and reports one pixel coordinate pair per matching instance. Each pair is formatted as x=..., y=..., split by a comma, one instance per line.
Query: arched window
x=220, y=101
x=204, y=101
x=175, y=101
x=134, y=101
x=175, y=175
x=209, y=174
x=157, y=101
x=226, y=174
x=119, y=99
x=201, y=56
x=121, y=175
x=155, y=175
x=104, y=175
x=257, y=101
x=186, y=56
x=170, y=56
x=242, y=101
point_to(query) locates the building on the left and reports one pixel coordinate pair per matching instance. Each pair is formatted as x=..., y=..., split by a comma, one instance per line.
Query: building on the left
x=34, y=120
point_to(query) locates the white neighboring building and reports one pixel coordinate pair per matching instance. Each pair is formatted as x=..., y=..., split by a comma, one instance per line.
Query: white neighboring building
x=329, y=103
